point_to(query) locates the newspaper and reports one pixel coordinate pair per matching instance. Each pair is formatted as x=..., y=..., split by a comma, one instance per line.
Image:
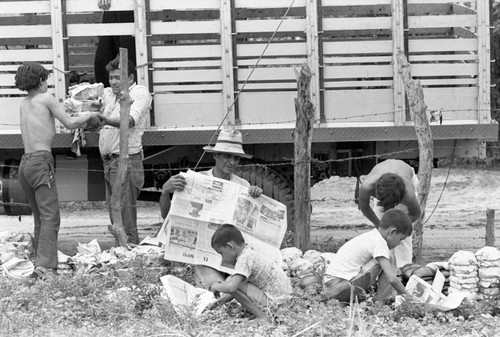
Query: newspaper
x=431, y=294
x=182, y=294
x=208, y=202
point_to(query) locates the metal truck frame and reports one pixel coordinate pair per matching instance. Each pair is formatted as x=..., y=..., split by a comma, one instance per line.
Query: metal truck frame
x=205, y=60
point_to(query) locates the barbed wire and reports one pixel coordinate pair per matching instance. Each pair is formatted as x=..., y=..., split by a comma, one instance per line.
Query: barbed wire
x=291, y=121
x=286, y=161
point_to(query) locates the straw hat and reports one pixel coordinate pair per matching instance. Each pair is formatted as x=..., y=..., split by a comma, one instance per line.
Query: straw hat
x=228, y=141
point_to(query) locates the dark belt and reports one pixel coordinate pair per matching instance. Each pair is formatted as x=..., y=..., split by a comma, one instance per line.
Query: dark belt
x=111, y=156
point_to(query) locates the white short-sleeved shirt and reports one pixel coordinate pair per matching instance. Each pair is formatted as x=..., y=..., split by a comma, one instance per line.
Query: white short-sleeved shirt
x=265, y=274
x=234, y=178
x=109, y=136
x=355, y=253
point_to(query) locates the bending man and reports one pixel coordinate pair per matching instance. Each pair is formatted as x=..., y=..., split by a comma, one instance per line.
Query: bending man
x=393, y=184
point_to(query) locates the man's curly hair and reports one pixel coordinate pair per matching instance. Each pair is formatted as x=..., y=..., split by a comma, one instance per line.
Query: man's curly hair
x=30, y=75
x=389, y=190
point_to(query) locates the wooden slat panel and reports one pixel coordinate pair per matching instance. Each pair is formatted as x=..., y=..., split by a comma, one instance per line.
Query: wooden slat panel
x=343, y=60
x=269, y=25
x=192, y=51
x=357, y=47
x=359, y=105
x=267, y=86
x=357, y=84
x=156, y=5
x=449, y=57
x=185, y=27
x=99, y=29
x=9, y=79
x=442, y=21
x=24, y=55
x=181, y=76
x=356, y=23
x=25, y=31
x=188, y=64
x=9, y=91
x=441, y=69
x=411, y=2
x=21, y=7
x=188, y=110
x=187, y=88
x=275, y=61
x=355, y=2
x=267, y=107
x=274, y=49
x=268, y=74
x=442, y=45
x=268, y=4
x=449, y=82
x=358, y=71
x=458, y=103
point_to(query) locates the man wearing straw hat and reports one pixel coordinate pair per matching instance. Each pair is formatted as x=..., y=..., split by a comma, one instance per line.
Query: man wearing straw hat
x=227, y=152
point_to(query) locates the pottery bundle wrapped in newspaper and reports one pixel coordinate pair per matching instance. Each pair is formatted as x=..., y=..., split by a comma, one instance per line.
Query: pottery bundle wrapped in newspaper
x=488, y=259
x=464, y=272
x=83, y=99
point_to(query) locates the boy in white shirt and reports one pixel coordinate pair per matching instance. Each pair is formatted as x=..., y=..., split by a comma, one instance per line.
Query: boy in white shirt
x=343, y=273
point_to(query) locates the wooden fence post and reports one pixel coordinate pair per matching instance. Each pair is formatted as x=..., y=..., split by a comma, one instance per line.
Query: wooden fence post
x=116, y=228
x=418, y=109
x=304, y=111
x=490, y=227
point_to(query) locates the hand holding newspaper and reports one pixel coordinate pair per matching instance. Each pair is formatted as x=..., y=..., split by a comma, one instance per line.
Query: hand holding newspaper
x=208, y=202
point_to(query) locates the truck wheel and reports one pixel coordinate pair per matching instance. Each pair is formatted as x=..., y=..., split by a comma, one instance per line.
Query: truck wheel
x=273, y=184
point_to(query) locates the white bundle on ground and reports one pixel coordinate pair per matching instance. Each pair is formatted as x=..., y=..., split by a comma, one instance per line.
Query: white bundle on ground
x=488, y=259
x=464, y=272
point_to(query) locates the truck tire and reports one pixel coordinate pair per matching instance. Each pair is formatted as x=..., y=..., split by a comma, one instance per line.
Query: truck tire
x=274, y=186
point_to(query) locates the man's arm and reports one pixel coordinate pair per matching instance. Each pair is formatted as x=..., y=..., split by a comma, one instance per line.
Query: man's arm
x=177, y=182
x=230, y=285
x=116, y=121
x=413, y=206
x=69, y=122
x=365, y=208
x=389, y=270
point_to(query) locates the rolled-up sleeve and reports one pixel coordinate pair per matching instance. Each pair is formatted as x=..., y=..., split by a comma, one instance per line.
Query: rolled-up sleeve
x=142, y=102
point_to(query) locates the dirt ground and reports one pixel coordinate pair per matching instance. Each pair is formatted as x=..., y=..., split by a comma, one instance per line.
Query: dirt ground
x=458, y=221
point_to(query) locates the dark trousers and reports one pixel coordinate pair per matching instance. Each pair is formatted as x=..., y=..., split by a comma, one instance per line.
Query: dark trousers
x=37, y=179
x=134, y=180
x=109, y=46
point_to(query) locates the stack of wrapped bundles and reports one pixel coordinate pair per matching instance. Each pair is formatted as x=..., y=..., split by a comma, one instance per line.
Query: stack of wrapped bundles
x=489, y=271
x=464, y=273
x=308, y=268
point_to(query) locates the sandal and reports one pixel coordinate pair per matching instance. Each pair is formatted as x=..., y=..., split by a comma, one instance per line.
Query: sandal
x=42, y=273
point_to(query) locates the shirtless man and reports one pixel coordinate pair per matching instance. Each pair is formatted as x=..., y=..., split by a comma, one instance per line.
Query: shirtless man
x=36, y=172
x=393, y=184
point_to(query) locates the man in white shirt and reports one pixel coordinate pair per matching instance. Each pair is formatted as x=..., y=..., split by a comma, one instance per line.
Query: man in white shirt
x=109, y=143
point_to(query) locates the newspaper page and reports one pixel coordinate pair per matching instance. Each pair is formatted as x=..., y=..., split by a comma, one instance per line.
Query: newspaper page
x=208, y=202
x=182, y=294
x=431, y=295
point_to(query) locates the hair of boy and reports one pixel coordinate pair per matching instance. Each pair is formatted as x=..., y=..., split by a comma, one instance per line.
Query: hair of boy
x=30, y=75
x=114, y=64
x=389, y=190
x=398, y=219
x=225, y=234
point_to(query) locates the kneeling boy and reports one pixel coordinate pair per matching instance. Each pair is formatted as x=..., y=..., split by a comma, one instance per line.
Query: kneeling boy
x=257, y=282
x=344, y=270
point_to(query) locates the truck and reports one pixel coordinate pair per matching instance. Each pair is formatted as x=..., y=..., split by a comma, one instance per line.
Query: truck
x=213, y=63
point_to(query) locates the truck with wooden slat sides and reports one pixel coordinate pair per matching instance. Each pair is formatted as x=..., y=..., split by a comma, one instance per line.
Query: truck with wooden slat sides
x=234, y=62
